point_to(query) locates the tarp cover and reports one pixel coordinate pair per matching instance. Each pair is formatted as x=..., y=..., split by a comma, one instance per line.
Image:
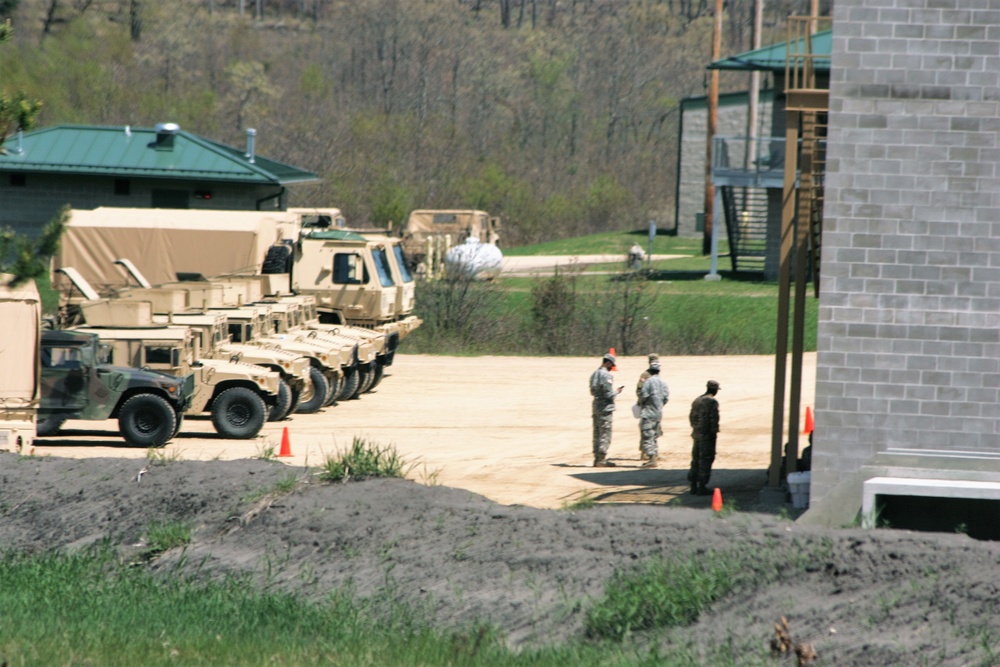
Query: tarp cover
x=443, y=222
x=163, y=243
x=20, y=313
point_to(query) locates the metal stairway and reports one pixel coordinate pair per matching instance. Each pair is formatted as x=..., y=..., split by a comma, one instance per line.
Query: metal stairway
x=746, y=227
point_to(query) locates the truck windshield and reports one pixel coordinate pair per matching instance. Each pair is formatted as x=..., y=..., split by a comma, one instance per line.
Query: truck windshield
x=382, y=265
x=401, y=263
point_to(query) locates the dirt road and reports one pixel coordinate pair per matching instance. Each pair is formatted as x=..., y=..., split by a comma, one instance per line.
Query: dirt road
x=514, y=429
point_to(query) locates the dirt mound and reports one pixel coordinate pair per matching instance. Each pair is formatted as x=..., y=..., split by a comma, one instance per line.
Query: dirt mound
x=869, y=598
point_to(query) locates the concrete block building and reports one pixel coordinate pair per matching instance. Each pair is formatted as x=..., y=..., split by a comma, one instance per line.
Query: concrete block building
x=908, y=364
x=162, y=167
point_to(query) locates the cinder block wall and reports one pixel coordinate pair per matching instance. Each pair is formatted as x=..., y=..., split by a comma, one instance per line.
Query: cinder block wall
x=909, y=318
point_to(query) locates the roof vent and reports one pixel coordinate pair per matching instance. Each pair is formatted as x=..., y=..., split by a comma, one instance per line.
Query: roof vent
x=251, y=136
x=165, y=134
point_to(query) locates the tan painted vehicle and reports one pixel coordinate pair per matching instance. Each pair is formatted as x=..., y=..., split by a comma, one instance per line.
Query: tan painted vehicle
x=20, y=313
x=238, y=396
x=192, y=302
x=349, y=275
x=426, y=229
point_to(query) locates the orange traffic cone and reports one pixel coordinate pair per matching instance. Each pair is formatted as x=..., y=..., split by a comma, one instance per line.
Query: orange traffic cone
x=286, y=444
x=809, y=421
x=717, y=499
x=611, y=351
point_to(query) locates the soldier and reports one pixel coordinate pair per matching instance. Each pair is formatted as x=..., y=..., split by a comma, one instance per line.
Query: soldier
x=653, y=357
x=653, y=395
x=704, y=420
x=602, y=410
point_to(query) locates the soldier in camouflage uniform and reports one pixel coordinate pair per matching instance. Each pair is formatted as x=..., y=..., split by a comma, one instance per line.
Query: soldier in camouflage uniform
x=704, y=420
x=653, y=357
x=653, y=395
x=602, y=410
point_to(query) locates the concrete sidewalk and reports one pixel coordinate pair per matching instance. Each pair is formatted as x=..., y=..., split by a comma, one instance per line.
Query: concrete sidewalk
x=547, y=263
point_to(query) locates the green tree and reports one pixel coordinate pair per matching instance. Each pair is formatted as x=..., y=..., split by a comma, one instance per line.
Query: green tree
x=27, y=257
x=17, y=110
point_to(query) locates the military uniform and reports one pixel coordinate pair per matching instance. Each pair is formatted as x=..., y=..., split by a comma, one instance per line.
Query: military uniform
x=602, y=410
x=704, y=418
x=653, y=395
x=653, y=358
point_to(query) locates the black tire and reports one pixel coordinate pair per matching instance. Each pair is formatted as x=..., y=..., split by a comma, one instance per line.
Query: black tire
x=336, y=386
x=50, y=425
x=283, y=405
x=365, y=376
x=378, y=375
x=320, y=389
x=351, y=383
x=180, y=421
x=147, y=420
x=239, y=413
x=277, y=260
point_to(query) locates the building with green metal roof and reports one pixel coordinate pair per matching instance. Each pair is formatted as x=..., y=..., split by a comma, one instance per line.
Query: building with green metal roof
x=87, y=166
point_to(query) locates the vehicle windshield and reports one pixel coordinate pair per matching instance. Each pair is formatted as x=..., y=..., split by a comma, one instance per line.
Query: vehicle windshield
x=382, y=266
x=401, y=263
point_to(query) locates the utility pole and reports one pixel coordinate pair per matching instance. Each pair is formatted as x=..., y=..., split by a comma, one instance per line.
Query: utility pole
x=758, y=24
x=713, y=121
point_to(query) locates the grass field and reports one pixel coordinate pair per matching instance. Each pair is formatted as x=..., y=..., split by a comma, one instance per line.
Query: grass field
x=677, y=313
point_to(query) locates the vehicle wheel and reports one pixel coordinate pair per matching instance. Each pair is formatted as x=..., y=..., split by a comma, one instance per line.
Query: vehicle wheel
x=335, y=388
x=377, y=375
x=283, y=405
x=351, y=382
x=239, y=413
x=50, y=425
x=320, y=389
x=180, y=420
x=147, y=420
x=365, y=376
x=277, y=259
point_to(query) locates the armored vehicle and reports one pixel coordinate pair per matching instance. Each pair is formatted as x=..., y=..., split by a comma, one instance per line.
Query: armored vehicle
x=425, y=225
x=238, y=395
x=75, y=384
x=20, y=313
x=348, y=274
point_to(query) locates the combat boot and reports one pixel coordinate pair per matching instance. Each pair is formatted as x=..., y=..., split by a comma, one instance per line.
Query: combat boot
x=703, y=490
x=651, y=461
x=603, y=462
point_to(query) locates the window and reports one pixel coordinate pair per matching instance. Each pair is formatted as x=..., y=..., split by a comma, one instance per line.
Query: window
x=170, y=199
x=445, y=218
x=61, y=357
x=401, y=262
x=123, y=187
x=236, y=331
x=163, y=355
x=349, y=269
x=382, y=266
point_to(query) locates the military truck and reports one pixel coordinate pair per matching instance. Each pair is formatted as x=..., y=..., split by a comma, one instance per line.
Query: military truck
x=20, y=313
x=77, y=384
x=349, y=275
x=423, y=226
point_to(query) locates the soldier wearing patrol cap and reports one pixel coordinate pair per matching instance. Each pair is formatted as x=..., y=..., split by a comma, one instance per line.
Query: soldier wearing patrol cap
x=704, y=418
x=603, y=409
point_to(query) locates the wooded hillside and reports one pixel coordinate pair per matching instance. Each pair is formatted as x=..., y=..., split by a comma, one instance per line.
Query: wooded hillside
x=559, y=115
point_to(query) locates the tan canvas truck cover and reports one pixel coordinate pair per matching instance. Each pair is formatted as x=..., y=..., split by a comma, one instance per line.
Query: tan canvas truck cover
x=164, y=244
x=20, y=332
x=458, y=223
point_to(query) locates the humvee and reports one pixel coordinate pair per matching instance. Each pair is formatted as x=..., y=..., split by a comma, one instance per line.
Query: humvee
x=77, y=384
x=172, y=305
x=238, y=395
x=20, y=313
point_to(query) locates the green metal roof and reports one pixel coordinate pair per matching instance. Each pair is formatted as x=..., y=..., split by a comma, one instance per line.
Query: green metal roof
x=133, y=152
x=772, y=58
